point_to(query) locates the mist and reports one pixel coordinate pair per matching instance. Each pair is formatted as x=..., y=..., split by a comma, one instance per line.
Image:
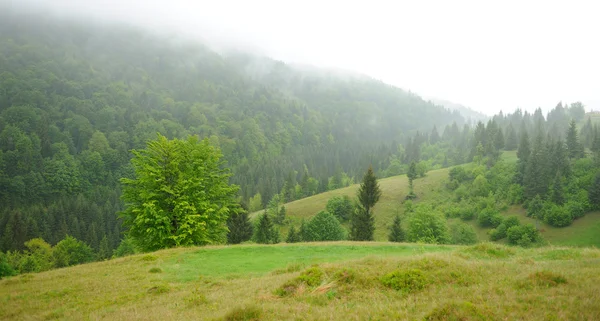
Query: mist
x=487, y=57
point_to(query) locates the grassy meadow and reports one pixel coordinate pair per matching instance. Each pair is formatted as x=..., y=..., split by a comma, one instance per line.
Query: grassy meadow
x=317, y=281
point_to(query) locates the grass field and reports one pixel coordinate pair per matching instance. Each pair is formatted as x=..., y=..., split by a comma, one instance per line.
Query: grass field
x=352, y=281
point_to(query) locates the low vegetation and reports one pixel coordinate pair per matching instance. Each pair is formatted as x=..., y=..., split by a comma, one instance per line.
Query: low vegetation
x=339, y=280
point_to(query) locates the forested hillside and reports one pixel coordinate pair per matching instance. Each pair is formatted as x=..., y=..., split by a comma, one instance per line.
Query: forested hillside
x=76, y=98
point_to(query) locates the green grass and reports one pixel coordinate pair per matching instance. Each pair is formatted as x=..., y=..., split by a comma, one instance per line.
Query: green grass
x=256, y=260
x=321, y=281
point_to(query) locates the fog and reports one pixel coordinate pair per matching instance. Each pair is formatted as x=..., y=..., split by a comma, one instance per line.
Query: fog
x=489, y=57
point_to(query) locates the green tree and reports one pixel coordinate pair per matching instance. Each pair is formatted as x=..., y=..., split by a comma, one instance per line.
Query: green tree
x=71, y=251
x=428, y=226
x=5, y=268
x=523, y=154
x=341, y=207
x=325, y=227
x=536, y=177
x=281, y=214
x=594, y=193
x=573, y=144
x=462, y=233
x=255, y=203
x=362, y=225
x=557, y=193
x=265, y=231
x=411, y=174
x=293, y=236
x=180, y=194
x=240, y=228
x=511, y=138
x=126, y=247
x=396, y=232
x=104, y=251
x=369, y=192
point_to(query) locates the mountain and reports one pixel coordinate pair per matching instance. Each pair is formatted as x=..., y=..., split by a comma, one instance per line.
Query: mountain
x=468, y=113
x=76, y=97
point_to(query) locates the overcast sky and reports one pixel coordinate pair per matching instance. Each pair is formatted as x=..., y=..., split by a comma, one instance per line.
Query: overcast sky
x=489, y=56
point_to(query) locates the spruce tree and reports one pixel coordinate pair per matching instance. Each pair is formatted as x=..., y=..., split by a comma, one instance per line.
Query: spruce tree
x=266, y=232
x=557, y=193
x=369, y=192
x=594, y=193
x=412, y=174
x=573, y=145
x=523, y=154
x=293, y=236
x=536, y=177
x=240, y=228
x=511, y=139
x=362, y=225
x=396, y=231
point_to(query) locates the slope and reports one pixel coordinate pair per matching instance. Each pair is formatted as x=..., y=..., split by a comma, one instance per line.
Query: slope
x=348, y=281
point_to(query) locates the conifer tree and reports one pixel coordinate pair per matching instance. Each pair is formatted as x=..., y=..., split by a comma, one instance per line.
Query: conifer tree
x=523, y=154
x=369, y=192
x=240, y=227
x=293, y=236
x=265, y=231
x=536, y=178
x=573, y=144
x=511, y=138
x=411, y=174
x=557, y=193
x=594, y=193
x=396, y=231
x=362, y=225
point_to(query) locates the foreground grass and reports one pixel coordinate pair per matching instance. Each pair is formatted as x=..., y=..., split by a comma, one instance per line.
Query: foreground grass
x=484, y=282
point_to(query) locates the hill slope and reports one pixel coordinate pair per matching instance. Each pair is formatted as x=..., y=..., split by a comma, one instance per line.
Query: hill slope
x=431, y=189
x=484, y=282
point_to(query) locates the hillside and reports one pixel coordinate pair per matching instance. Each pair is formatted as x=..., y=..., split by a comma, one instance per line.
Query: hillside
x=76, y=97
x=350, y=281
x=431, y=189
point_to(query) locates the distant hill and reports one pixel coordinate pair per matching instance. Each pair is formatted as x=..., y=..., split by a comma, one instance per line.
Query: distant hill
x=469, y=114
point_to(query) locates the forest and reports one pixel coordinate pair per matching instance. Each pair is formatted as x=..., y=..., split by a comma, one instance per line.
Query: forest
x=76, y=100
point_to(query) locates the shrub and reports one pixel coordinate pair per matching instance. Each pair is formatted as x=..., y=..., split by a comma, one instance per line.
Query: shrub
x=453, y=212
x=428, y=226
x=126, y=247
x=29, y=264
x=341, y=207
x=489, y=217
x=325, y=227
x=467, y=212
x=575, y=208
x=500, y=232
x=311, y=277
x=458, y=174
x=71, y=251
x=405, y=281
x=558, y=216
x=515, y=194
x=41, y=252
x=462, y=233
x=523, y=235
x=5, y=268
x=155, y=270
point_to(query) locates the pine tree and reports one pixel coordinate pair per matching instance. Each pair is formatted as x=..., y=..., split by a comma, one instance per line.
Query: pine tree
x=369, y=192
x=523, y=154
x=557, y=193
x=280, y=218
x=594, y=193
x=396, y=231
x=362, y=225
x=303, y=232
x=511, y=138
x=239, y=225
x=536, y=178
x=573, y=145
x=435, y=136
x=411, y=174
x=104, y=251
x=265, y=231
x=559, y=161
x=499, y=140
x=293, y=236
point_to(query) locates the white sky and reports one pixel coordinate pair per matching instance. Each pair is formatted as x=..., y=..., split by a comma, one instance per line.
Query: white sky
x=483, y=54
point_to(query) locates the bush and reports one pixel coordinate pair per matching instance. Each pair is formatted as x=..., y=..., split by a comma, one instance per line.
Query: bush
x=405, y=281
x=523, y=235
x=467, y=212
x=41, y=252
x=325, y=227
x=558, y=216
x=126, y=247
x=575, y=208
x=453, y=211
x=462, y=233
x=515, y=194
x=458, y=174
x=5, y=268
x=500, y=232
x=489, y=217
x=249, y=313
x=428, y=226
x=71, y=251
x=341, y=207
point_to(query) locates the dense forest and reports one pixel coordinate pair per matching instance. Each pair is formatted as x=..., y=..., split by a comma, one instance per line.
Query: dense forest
x=76, y=98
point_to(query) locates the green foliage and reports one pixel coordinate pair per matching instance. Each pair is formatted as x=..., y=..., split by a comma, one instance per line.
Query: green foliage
x=405, y=281
x=247, y=313
x=293, y=236
x=362, y=225
x=41, y=252
x=428, y=226
x=523, y=235
x=396, y=231
x=489, y=217
x=180, y=195
x=240, y=228
x=255, y=203
x=126, y=247
x=557, y=216
x=341, y=207
x=500, y=232
x=325, y=227
x=369, y=191
x=265, y=231
x=594, y=193
x=461, y=233
x=71, y=251
x=547, y=278
x=5, y=268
